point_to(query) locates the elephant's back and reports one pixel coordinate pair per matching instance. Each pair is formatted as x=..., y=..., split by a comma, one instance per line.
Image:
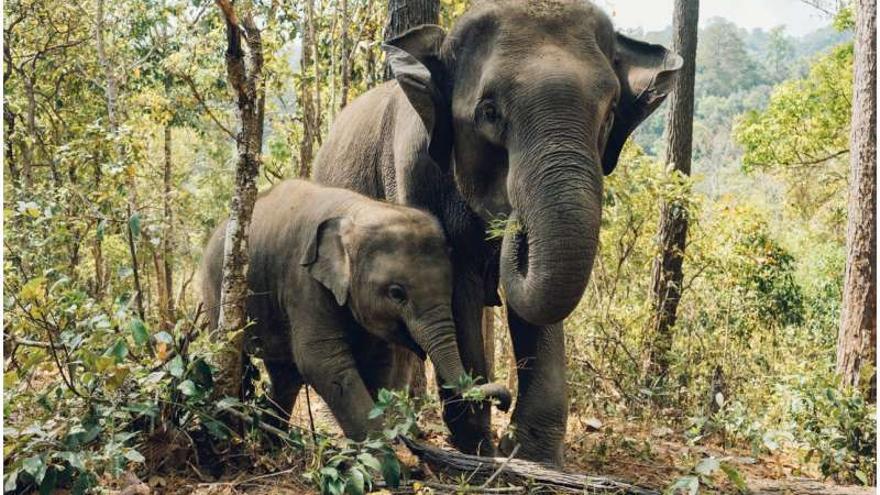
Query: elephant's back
x=355, y=151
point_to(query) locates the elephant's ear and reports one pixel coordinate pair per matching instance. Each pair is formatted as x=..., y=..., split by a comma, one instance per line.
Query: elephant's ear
x=414, y=58
x=326, y=258
x=646, y=73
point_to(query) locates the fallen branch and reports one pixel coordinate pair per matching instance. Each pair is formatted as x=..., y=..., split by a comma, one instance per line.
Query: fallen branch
x=519, y=472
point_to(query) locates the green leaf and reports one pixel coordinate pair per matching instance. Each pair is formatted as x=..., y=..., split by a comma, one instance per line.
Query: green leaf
x=370, y=461
x=355, y=483
x=862, y=477
x=687, y=485
x=375, y=412
x=187, y=387
x=134, y=456
x=391, y=470
x=735, y=477
x=134, y=224
x=119, y=351
x=32, y=465
x=175, y=367
x=139, y=332
x=74, y=459
x=11, y=481
x=707, y=466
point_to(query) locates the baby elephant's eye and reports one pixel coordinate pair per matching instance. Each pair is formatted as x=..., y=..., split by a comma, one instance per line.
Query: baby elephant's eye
x=397, y=293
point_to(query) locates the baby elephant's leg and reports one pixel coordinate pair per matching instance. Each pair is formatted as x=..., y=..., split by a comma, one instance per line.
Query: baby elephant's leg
x=286, y=382
x=330, y=368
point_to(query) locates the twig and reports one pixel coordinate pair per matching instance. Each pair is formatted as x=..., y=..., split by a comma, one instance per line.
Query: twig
x=500, y=468
x=311, y=418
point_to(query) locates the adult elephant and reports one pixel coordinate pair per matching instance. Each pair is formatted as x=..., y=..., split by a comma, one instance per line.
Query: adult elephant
x=515, y=114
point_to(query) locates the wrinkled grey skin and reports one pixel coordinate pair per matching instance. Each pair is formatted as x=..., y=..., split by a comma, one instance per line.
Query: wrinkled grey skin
x=516, y=113
x=342, y=285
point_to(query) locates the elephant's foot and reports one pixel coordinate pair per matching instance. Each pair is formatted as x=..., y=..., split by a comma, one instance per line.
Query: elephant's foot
x=470, y=430
x=538, y=444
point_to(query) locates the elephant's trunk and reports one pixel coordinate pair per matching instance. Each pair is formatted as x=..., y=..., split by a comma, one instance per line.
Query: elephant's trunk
x=548, y=250
x=436, y=336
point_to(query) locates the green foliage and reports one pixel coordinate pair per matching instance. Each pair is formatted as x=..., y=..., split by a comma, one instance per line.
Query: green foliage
x=839, y=429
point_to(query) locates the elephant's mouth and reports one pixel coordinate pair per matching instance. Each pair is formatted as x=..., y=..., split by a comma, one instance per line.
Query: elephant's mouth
x=405, y=339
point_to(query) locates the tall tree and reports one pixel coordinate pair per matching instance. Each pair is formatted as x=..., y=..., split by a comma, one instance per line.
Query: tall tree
x=310, y=107
x=244, y=71
x=667, y=273
x=858, y=321
x=404, y=15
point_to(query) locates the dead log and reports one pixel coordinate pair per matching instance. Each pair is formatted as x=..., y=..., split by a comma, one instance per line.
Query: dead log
x=804, y=486
x=538, y=477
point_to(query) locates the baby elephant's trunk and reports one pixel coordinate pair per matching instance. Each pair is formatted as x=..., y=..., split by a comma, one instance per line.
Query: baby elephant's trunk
x=438, y=339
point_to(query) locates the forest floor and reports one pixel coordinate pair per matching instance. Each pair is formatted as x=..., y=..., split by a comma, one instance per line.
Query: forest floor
x=635, y=452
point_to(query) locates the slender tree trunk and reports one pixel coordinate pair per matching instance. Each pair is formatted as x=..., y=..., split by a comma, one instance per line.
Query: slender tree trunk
x=667, y=273
x=98, y=246
x=858, y=322
x=113, y=124
x=404, y=15
x=27, y=148
x=346, y=52
x=168, y=238
x=245, y=75
x=306, y=149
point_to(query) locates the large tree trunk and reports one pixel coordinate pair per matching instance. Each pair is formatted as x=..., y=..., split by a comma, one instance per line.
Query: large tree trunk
x=858, y=323
x=667, y=273
x=404, y=15
x=246, y=79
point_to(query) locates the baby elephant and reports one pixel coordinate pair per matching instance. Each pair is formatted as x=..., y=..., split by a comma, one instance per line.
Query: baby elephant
x=340, y=285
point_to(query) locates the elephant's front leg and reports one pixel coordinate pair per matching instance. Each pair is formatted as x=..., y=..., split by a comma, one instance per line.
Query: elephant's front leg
x=329, y=366
x=469, y=423
x=541, y=411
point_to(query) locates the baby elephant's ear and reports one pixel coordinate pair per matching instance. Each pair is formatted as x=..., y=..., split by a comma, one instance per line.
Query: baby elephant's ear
x=326, y=258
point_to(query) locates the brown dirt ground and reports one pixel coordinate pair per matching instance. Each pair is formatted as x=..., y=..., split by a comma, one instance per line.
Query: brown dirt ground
x=639, y=453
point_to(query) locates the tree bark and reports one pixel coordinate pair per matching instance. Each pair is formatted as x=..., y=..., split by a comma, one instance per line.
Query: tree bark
x=245, y=75
x=344, y=62
x=404, y=15
x=167, y=239
x=306, y=148
x=667, y=273
x=858, y=323
x=110, y=91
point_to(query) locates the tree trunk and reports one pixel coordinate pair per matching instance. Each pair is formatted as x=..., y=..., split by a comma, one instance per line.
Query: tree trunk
x=27, y=148
x=113, y=124
x=858, y=324
x=306, y=149
x=246, y=80
x=167, y=239
x=667, y=273
x=404, y=15
x=344, y=62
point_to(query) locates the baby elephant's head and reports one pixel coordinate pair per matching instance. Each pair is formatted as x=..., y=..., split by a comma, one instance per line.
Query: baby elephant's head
x=390, y=265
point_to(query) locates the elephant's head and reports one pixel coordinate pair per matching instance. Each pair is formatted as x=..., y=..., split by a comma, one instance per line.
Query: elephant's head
x=536, y=99
x=390, y=265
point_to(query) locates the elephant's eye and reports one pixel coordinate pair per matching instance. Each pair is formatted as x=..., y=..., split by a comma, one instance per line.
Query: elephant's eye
x=488, y=111
x=397, y=293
